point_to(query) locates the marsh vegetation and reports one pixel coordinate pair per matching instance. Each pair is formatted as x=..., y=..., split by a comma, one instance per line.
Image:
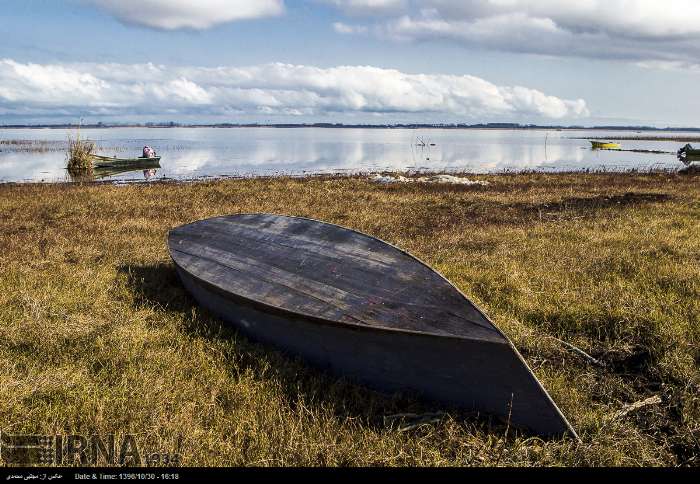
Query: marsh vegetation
x=30, y=145
x=79, y=156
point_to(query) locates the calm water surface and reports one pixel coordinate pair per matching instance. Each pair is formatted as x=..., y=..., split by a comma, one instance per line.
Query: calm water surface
x=203, y=152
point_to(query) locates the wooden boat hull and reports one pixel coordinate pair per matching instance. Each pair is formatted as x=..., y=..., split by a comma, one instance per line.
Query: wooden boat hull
x=479, y=374
x=105, y=171
x=108, y=162
x=467, y=374
x=688, y=154
x=604, y=145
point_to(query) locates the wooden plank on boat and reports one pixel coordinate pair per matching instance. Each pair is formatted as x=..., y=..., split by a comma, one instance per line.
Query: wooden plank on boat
x=359, y=307
x=108, y=161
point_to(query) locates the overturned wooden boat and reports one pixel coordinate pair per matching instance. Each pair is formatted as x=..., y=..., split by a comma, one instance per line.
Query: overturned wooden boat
x=100, y=161
x=361, y=308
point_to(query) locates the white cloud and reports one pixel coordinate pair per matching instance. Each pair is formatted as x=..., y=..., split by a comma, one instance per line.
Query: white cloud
x=270, y=89
x=343, y=28
x=622, y=29
x=633, y=18
x=179, y=14
x=367, y=7
x=636, y=30
x=677, y=66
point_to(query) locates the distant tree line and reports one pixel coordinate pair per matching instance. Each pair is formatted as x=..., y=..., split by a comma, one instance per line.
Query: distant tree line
x=173, y=124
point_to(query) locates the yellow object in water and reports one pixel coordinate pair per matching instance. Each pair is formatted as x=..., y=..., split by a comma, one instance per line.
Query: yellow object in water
x=604, y=145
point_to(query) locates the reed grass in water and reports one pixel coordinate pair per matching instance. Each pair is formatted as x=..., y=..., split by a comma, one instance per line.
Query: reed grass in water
x=79, y=155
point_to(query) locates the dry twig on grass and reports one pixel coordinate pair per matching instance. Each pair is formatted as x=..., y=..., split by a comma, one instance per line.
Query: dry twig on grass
x=411, y=421
x=580, y=352
x=632, y=407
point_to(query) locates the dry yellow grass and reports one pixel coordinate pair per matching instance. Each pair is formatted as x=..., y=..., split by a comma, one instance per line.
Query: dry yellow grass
x=98, y=336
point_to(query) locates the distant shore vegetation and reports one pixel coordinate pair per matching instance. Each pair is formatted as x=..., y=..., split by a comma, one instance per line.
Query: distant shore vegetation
x=173, y=124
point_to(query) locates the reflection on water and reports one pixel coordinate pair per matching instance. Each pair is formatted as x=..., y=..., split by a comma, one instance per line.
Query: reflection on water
x=149, y=170
x=149, y=173
x=199, y=152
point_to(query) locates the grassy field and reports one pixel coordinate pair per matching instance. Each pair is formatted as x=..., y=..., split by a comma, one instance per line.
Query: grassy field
x=97, y=336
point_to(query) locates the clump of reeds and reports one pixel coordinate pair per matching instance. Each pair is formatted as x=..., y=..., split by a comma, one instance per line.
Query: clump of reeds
x=80, y=154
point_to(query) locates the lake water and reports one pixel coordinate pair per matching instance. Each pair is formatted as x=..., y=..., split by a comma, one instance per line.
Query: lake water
x=203, y=152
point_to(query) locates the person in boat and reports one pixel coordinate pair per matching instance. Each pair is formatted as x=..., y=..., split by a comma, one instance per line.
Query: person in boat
x=148, y=152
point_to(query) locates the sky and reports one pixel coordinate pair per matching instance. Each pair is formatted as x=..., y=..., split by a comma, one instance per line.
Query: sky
x=589, y=62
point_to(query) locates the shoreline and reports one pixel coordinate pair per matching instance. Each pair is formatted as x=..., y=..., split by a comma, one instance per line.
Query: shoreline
x=408, y=126
x=681, y=170
x=676, y=139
